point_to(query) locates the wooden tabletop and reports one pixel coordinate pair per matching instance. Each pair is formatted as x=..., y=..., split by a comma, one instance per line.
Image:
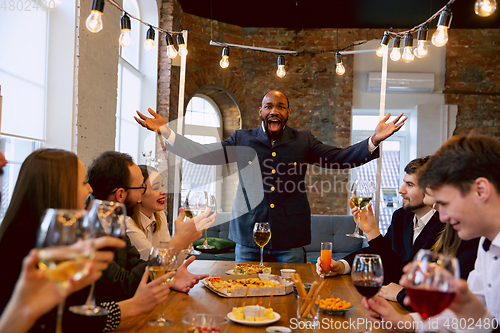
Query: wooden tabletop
x=202, y=300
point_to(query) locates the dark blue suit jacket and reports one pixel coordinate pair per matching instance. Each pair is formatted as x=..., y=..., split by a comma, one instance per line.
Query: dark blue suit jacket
x=272, y=189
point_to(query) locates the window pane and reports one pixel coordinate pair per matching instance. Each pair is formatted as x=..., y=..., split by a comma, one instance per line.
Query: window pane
x=201, y=112
x=368, y=123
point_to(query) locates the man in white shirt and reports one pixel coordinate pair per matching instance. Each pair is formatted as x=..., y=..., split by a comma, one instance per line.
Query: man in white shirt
x=465, y=179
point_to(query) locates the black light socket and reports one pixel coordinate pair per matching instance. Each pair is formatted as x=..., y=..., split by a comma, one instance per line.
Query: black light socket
x=338, y=58
x=445, y=17
x=180, y=40
x=408, y=41
x=125, y=22
x=385, y=39
x=396, y=43
x=169, y=39
x=225, y=52
x=151, y=33
x=423, y=33
x=98, y=5
x=281, y=60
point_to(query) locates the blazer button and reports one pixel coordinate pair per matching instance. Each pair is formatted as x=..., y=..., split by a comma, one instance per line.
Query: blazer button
x=272, y=188
x=249, y=162
x=294, y=163
x=273, y=172
x=273, y=154
x=271, y=205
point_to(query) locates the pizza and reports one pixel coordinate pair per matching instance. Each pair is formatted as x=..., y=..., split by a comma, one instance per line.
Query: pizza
x=243, y=269
x=233, y=284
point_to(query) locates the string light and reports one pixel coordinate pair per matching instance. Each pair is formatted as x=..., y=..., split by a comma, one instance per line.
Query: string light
x=408, y=48
x=485, y=8
x=126, y=36
x=383, y=44
x=440, y=37
x=421, y=50
x=339, y=68
x=171, y=51
x=182, y=46
x=396, y=52
x=224, y=61
x=149, y=44
x=94, y=20
x=281, y=67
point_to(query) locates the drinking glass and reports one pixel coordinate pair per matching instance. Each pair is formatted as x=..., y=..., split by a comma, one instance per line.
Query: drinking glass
x=361, y=195
x=431, y=279
x=196, y=203
x=368, y=275
x=212, y=203
x=262, y=235
x=63, y=256
x=326, y=257
x=108, y=219
x=161, y=261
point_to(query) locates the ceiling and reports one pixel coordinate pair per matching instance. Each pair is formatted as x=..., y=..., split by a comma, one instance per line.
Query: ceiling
x=308, y=14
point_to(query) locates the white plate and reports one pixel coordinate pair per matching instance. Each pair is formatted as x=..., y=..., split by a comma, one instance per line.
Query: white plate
x=254, y=323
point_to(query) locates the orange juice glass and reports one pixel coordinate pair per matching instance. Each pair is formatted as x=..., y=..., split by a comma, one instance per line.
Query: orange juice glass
x=326, y=256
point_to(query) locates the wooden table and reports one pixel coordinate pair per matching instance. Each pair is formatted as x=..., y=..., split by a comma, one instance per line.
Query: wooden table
x=202, y=300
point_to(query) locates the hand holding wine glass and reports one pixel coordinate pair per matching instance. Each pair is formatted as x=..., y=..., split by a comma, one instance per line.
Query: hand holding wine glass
x=65, y=249
x=212, y=203
x=361, y=195
x=262, y=235
x=368, y=275
x=195, y=204
x=430, y=282
x=107, y=219
x=162, y=260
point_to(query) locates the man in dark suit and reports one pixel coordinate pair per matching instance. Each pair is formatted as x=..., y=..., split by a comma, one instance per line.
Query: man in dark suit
x=272, y=161
x=413, y=227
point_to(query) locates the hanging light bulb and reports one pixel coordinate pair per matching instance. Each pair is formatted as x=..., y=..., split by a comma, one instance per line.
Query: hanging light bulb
x=383, y=44
x=440, y=37
x=281, y=67
x=149, y=44
x=408, y=48
x=94, y=20
x=182, y=46
x=224, y=61
x=171, y=51
x=339, y=68
x=421, y=50
x=485, y=8
x=125, y=36
x=396, y=52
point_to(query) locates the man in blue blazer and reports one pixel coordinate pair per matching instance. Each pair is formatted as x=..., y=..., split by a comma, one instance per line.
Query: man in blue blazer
x=272, y=161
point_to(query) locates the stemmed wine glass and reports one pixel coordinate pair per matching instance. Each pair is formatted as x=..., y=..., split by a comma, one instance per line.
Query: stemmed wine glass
x=361, y=195
x=196, y=203
x=108, y=219
x=63, y=254
x=262, y=235
x=212, y=204
x=161, y=261
x=431, y=282
x=368, y=276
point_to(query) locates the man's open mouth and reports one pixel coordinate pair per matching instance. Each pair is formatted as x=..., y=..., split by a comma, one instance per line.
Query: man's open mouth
x=274, y=124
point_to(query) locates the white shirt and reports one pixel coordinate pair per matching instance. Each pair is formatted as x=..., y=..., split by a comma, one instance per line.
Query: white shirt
x=143, y=241
x=171, y=138
x=483, y=281
x=417, y=228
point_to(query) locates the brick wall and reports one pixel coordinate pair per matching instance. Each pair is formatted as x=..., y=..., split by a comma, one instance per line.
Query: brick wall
x=97, y=63
x=473, y=80
x=320, y=100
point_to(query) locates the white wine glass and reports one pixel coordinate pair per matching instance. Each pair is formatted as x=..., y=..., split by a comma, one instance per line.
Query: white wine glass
x=212, y=203
x=107, y=219
x=162, y=260
x=361, y=195
x=262, y=235
x=367, y=274
x=66, y=249
x=196, y=203
x=431, y=282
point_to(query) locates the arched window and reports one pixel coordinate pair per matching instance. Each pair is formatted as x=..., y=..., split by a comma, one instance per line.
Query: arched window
x=202, y=123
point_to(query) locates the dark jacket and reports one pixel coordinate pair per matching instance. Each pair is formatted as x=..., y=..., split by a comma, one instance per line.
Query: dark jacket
x=396, y=248
x=271, y=179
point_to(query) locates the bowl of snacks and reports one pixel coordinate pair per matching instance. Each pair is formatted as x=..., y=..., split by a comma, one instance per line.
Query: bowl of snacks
x=334, y=305
x=204, y=323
